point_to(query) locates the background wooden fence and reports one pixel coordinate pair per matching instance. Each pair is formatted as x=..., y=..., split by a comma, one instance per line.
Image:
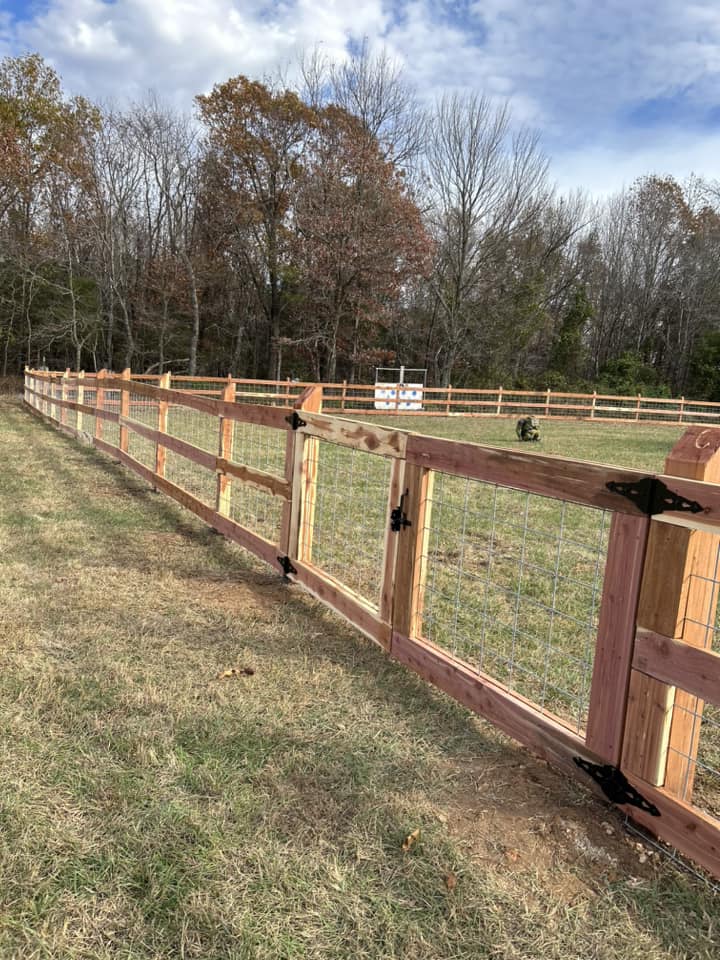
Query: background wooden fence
x=353, y=398
x=571, y=604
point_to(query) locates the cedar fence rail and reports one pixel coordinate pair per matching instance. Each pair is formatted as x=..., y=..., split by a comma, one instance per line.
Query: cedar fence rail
x=354, y=398
x=648, y=685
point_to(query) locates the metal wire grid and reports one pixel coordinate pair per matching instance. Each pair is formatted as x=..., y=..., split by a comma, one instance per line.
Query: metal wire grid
x=197, y=480
x=513, y=586
x=255, y=509
x=199, y=429
x=350, y=516
x=704, y=768
x=706, y=626
x=111, y=431
x=262, y=448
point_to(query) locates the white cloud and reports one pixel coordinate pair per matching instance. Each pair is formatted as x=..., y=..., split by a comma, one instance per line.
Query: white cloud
x=578, y=70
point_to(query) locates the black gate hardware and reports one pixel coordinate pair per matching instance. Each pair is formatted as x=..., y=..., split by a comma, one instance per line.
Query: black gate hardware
x=296, y=421
x=615, y=785
x=287, y=567
x=653, y=497
x=398, y=517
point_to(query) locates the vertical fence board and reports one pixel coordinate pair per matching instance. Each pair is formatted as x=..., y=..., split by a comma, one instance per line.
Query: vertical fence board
x=99, y=403
x=616, y=635
x=225, y=452
x=411, y=551
x=675, y=591
x=125, y=409
x=162, y=425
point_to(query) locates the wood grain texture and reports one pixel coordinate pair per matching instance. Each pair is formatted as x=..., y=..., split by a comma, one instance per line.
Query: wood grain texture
x=548, y=476
x=692, y=669
x=162, y=424
x=676, y=600
x=243, y=412
x=124, y=407
x=360, y=436
x=226, y=433
x=411, y=551
x=616, y=635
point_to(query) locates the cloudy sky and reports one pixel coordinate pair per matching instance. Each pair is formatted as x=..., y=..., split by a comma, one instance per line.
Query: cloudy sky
x=617, y=88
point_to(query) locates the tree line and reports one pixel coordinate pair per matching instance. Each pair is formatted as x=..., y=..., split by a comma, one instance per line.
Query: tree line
x=322, y=229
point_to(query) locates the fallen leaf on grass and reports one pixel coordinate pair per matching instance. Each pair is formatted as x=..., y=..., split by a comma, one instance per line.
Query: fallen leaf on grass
x=235, y=672
x=451, y=881
x=410, y=840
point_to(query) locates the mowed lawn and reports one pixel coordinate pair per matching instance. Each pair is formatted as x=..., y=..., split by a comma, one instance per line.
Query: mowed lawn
x=151, y=807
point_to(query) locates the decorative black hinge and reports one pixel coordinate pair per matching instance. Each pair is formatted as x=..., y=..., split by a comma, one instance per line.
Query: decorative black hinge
x=398, y=517
x=615, y=785
x=296, y=421
x=653, y=497
x=286, y=565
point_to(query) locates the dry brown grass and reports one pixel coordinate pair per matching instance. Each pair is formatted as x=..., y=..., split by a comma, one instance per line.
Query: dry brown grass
x=151, y=810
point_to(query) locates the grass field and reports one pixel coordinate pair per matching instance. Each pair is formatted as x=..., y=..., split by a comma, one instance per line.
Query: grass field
x=152, y=810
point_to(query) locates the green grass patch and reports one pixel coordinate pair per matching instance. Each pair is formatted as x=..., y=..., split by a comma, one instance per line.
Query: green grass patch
x=150, y=810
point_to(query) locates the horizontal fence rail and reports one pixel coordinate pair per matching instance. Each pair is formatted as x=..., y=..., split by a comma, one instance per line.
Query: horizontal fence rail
x=572, y=604
x=353, y=398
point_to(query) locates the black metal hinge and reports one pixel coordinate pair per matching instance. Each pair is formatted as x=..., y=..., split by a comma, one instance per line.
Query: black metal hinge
x=286, y=565
x=653, y=497
x=615, y=785
x=398, y=517
x=296, y=421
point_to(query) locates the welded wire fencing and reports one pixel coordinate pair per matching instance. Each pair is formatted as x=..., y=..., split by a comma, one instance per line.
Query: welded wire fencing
x=574, y=605
x=372, y=400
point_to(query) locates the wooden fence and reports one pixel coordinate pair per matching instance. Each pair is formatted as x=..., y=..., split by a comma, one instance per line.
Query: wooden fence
x=354, y=398
x=571, y=604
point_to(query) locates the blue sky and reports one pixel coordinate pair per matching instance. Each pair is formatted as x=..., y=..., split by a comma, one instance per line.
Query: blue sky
x=616, y=89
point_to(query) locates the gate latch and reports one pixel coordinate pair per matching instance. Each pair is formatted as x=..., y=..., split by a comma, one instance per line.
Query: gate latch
x=615, y=785
x=398, y=517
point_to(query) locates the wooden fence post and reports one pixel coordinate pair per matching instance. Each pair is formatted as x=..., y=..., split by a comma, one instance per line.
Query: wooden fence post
x=607, y=709
x=547, y=403
x=678, y=599
x=80, y=397
x=225, y=452
x=343, y=397
x=637, y=408
x=592, y=408
x=125, y=408
x=447, y=400
x=300, y=462
x=162, y=424
x=499, y=403
x=64, y=394
x=411, y=551
x=682, y=409
x=99, y=402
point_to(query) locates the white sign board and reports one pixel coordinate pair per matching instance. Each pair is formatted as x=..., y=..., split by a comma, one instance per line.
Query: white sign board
x=398, y=396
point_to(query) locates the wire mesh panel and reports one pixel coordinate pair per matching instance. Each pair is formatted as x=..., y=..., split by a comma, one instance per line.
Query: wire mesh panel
x=513, y=586
x=694, y=758
x=199, y=429
x=197, y=480
x=143, y=409
x=262, y=448
x=255, y=509
x=347, y=527
x=142, y=449
x=111, y=431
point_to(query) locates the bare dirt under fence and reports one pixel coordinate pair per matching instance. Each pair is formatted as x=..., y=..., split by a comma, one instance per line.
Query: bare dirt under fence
x=153, y=806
